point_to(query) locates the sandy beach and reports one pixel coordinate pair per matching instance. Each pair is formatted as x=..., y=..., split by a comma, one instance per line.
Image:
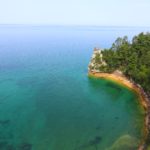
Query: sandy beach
x=143, y=99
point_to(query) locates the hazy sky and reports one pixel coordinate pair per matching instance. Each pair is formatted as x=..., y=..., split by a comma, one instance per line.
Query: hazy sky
x=76, y=12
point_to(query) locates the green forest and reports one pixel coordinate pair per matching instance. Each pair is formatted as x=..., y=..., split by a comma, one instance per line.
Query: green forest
x=130, y=57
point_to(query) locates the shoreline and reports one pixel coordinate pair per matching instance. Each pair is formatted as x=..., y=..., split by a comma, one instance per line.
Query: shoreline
x=143, y=98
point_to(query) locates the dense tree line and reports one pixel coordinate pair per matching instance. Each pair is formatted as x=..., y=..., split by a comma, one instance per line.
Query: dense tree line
x=132, y=58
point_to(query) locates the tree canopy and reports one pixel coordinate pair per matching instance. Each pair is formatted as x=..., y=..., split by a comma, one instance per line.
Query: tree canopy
x=130, y=57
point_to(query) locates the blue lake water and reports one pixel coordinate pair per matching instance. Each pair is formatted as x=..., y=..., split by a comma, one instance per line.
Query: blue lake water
x=47, y=101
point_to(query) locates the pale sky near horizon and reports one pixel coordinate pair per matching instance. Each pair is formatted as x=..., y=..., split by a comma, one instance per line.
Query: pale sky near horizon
x=77, y=12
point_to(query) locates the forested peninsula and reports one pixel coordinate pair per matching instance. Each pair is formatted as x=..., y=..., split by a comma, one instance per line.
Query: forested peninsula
x=127, y=62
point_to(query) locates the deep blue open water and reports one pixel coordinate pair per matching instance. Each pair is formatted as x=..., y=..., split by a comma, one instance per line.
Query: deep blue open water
x=47, y=101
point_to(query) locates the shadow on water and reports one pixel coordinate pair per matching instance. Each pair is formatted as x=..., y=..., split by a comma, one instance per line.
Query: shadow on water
x=105, y=85
x=94, y=83
x=113, y=86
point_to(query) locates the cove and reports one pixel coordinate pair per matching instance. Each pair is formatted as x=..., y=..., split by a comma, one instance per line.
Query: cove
x=47, y=102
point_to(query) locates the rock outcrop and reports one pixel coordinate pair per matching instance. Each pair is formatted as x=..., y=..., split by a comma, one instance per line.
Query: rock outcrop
x=96, y=61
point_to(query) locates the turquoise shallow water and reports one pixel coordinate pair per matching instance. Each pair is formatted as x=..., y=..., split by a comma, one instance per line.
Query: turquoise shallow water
x=47, y=101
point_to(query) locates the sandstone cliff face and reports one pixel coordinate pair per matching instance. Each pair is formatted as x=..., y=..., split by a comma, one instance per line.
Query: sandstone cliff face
x=96, y=61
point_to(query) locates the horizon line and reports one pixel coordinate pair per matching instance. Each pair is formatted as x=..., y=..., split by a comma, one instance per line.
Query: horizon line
x=71, y=25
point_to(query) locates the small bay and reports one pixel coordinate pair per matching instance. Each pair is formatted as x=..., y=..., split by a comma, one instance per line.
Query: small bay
x=47, y=100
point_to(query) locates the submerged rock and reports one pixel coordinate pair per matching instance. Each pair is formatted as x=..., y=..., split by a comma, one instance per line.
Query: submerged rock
x=95, y=141
x=92, y=143
x=125, y=142
x=6, y=146
x=4, y=122
x=3, y=145
x=10, y=147
x=26, y=146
